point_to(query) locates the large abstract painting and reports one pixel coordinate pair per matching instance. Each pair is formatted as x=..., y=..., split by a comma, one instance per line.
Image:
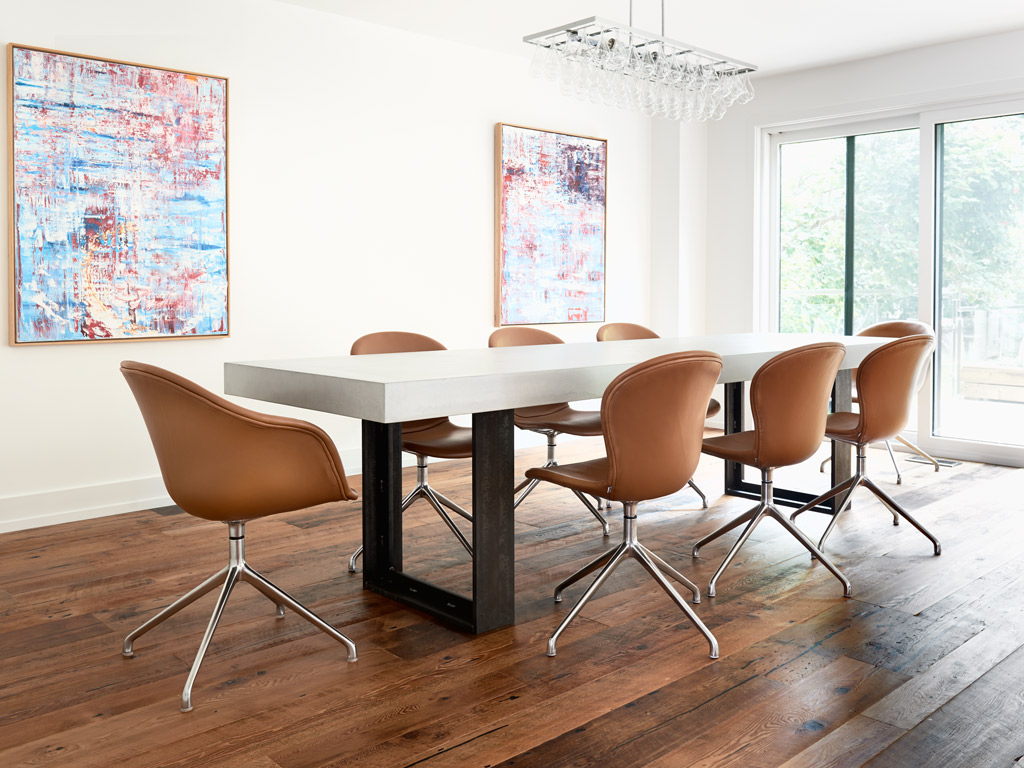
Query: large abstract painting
x=119, y=200
x=550, y=227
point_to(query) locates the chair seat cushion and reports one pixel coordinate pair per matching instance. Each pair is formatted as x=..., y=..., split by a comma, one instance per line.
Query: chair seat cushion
x=442, y=441
x=713, y=408
x=843, y=426
x=586, y=476
x=566, y=420
x=738, y=446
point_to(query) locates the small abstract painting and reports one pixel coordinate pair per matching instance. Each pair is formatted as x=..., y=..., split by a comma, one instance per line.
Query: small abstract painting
x=549, y=227
x=119, y=207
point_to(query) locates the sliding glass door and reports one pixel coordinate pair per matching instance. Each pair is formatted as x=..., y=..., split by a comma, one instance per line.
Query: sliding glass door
x=979, y=282
x=923, y=218
x=848, y=231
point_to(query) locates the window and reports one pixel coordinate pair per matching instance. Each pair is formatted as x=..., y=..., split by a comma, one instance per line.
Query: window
x=848, y=231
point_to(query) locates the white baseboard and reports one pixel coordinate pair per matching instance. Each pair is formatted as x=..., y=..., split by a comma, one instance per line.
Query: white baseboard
x=70, y=504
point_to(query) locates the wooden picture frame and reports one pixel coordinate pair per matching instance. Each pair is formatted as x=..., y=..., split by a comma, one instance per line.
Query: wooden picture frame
x=118, y=190
x=550, y=218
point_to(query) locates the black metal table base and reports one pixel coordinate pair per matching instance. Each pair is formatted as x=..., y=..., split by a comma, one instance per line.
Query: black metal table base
x=842, y=468
x=492, y=604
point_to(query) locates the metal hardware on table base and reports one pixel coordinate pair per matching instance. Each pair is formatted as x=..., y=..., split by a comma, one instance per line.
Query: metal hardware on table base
x=437, y=500
x=654, y=565
x=851, y=484
x=236, y=570
x=766, y=508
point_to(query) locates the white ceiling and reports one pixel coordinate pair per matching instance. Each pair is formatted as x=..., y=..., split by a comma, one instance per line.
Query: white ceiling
x=778, y=35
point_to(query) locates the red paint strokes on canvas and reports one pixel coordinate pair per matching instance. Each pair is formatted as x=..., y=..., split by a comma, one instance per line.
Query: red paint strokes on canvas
x=552, y=227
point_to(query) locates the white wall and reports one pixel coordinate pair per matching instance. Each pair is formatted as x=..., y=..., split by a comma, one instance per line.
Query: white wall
x=983, y=67
x=361, y=199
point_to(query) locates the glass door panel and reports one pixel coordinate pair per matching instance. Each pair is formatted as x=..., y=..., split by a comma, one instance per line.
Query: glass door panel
x=979, y=386
x=812, y=236
x=885, y=233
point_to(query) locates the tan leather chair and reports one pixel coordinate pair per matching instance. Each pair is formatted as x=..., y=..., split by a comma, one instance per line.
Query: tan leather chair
x=631, y=331
x=425, y=438
x=788, y=400
x=653, y=417
x=222, y=462
x=886, y=383
x=549, y=420
x=896, y=329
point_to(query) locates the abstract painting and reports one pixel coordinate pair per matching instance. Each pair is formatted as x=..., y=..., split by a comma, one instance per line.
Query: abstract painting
x=549, y=227
x=119, y=200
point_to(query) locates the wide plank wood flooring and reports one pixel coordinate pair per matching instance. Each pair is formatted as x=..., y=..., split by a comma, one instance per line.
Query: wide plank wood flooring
x=923, y=667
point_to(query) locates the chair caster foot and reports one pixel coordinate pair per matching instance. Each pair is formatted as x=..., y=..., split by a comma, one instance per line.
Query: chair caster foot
x=551, y=647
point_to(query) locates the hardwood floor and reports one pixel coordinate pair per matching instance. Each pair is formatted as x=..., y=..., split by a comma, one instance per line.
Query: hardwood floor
x=922, y=667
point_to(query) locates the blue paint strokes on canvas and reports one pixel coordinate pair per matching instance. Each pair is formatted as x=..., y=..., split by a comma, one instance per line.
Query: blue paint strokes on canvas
x=119, y=202
x=552, y=227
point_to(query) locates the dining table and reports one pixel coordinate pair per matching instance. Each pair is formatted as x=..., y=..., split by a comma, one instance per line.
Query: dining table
x=386, y=389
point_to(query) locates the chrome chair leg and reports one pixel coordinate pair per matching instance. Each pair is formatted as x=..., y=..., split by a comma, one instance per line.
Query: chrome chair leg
x=897, y=509
x=817, y=553
x=616, y=557
x=754, y=519
x=609, y=561
x=218, y=609
x=529, y=485
x=236, y=570
x=699, y=492
x=187, y=599
x=593, y=510
x=847, y=483
x=525, y=488
x=437, y=500
x=918, y=451
x=669, y=570
x=274, y=592
x=767, y=508
x=586, y=570
x=892, y=457
x=643, y=555
x=744, y=518
x=452, y=505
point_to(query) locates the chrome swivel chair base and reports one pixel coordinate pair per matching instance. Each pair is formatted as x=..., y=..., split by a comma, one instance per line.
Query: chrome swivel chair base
x=236, y=570
x=892, y=457
x=754, y=516
x=437, y=500
x=526, y=487
x=609, y=561
x=851, y=484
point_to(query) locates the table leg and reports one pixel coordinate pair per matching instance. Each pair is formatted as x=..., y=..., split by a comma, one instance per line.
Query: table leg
x=735, y=485
x=492, y=604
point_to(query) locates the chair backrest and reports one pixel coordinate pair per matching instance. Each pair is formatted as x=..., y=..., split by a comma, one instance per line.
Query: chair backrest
x=653, y=420
x=886, y=382
x=624, y=332
x=521, y=336
x=789, y=402
x=897, y=329
x=220, y=461
x=387, y=342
